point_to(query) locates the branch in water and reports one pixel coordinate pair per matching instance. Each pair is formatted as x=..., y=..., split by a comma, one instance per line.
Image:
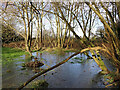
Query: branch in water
x=62, y=62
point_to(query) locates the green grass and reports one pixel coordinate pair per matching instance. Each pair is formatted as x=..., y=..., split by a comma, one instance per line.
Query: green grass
x=68, y=51
x=9, y=54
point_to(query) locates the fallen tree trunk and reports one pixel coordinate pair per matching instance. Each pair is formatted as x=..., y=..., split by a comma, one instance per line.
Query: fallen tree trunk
x=62, y=62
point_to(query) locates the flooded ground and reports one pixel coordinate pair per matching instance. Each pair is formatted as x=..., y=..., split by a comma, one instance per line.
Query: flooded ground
x=76, y=73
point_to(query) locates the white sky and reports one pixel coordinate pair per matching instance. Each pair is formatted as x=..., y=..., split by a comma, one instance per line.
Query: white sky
x=77, y=29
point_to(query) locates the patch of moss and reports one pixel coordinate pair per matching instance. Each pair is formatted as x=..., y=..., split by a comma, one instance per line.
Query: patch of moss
x=39, y=84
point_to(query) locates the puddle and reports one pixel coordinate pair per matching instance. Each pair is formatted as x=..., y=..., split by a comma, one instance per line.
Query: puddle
x=68, y=75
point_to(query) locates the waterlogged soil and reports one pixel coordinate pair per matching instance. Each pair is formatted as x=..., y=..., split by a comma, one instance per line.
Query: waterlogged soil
x=78, y=72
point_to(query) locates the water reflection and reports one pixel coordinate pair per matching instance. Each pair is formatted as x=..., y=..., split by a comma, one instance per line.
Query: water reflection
x=77, y=75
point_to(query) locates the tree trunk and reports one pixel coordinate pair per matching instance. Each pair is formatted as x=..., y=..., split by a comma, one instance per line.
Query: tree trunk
x=27, y=47
x=38, y=29
x=58, y=32
x=41, y=25
x=31, y=26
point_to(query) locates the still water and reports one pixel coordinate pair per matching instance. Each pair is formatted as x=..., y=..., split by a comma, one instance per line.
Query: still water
x=69, y=75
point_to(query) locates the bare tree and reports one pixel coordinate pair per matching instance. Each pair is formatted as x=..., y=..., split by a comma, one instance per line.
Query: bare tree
x=112, y=38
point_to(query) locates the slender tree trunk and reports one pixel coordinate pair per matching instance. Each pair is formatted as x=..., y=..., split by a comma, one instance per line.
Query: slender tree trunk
x=89, y=32
x=41, y=25
x=31, y=26
x=62, y=35
x=27, y=32
x=65, y=36
x=38, y=29
x=58, y=32
x=68, y=43
x=41, y=33
x=27, y=47
x=69, y=26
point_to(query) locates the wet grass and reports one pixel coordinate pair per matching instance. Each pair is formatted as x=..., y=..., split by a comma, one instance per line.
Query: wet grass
x=9, y=54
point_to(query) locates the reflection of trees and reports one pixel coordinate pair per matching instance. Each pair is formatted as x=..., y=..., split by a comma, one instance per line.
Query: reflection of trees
x=40, y=56
x=27, y=58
